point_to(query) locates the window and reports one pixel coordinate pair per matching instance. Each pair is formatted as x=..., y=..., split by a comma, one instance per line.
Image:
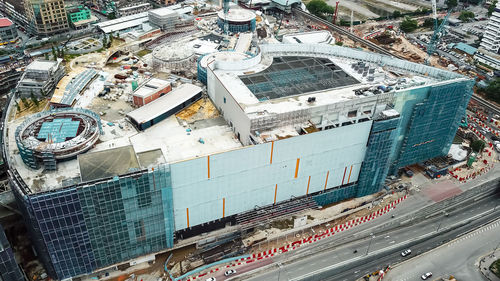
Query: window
x=224, y=99
x=352, y=113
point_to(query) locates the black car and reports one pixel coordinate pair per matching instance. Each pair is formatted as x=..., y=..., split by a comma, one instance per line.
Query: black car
x=495, y=138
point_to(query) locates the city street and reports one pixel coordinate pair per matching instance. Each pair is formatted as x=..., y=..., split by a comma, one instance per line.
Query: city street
x=459, y=257
x=357, y=258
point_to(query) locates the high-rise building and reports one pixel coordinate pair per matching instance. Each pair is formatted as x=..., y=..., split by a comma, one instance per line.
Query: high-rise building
x=8, y=30
x=298, y=126
x=9, y=269
x=46, y=17
x=15, y=10
x=491, y=36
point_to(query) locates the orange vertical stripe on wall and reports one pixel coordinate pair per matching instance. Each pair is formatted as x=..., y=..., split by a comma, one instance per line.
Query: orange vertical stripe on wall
x=349, y=177
x=208, y=165
x=275, y=192
x=297, y=167
x=187, y=215
x=308, y=182
x=326, y=180
x=345, y=169
x=272, y=150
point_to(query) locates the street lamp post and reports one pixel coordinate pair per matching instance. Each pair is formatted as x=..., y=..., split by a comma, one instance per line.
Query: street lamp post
x=369, y=244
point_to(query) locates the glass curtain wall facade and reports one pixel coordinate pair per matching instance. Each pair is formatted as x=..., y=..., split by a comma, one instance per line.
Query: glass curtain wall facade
x=85, y=227
x=9, y=270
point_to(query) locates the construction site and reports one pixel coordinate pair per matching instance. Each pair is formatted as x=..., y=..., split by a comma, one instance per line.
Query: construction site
x=207, y=136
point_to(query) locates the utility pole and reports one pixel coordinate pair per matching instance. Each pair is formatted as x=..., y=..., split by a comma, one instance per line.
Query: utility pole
x=369, y=244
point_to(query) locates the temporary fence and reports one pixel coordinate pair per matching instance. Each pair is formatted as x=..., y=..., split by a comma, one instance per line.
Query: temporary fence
x=305, y=241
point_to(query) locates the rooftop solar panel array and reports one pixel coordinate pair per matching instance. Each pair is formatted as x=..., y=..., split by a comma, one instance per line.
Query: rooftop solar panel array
x=291, y=75
x=58, y=130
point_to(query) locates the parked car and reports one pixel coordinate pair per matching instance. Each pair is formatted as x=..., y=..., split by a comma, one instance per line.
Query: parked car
x=211, y=279
x=406, y=252
x=409, y=173
x=427, y=275
x=230, y=272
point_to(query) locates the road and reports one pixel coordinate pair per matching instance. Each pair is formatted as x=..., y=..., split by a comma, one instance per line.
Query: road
x=458, y=257
x=340, y=248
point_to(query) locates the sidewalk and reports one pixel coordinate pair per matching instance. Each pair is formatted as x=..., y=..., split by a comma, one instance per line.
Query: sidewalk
x=484, y=266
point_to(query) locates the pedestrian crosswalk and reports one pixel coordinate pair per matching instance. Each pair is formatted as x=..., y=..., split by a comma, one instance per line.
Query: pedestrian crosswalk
x=474, y=233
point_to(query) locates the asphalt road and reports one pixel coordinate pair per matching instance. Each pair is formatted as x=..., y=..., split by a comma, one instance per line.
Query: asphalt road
x=341, y=263
x=459, y=257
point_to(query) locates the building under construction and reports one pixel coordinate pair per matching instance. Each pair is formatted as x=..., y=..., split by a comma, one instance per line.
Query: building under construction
x=300, y=126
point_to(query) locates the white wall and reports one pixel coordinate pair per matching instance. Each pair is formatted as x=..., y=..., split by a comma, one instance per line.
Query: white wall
x=246, y=178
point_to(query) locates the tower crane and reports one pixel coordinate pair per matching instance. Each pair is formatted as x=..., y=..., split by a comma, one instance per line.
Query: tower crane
x=439, y=31
x=336, y=10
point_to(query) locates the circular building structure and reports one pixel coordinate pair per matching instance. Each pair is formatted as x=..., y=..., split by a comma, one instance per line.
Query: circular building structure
x=55, y=135
x=239, y=20
x=173, y=57
x=228, y=56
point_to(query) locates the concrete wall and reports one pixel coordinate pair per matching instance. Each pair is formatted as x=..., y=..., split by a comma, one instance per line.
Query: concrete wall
x=208, y=188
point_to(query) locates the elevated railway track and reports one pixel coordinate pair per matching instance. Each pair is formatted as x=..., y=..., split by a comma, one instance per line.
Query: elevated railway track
x=350, y=35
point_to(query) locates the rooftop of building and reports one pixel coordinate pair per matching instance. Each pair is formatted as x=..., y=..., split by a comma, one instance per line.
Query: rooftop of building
x=5, y=22
x=199, y=130
x=320, y=36
x=236, y=14
x=150, y=87
x=41, y=65
x=280, y=81
x=162, y=12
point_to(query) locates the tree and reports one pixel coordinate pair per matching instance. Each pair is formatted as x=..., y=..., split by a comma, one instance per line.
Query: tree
x=110, y=40
x=34, y=99
x=428, y=22
x=492, y=92
x=105, y=42
x=451, y=4
x=18, y=107
x=54, y=55
x=396, y=14
x=25, y=102
x=491, y=8
x=466, y=15
x=47, y=56
x=408, y=24
x=339, y=43
x=62, y=54
x=477, y=145
x=319, y=8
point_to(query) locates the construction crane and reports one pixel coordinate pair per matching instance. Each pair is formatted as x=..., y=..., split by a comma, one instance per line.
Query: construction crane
x=438, y=31
x=336, y=10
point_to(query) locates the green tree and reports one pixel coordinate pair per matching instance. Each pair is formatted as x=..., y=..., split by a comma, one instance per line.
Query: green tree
x=428, y=23
x=396, y=14
x=54, y=55
x=466, y=15
x=18, y=107
x=492, y=92
x=105, y=42
x=46, y=56
x=110, y=40
x=339, y=43
x=491, y=8
x=319, y=8
x=25, y=102
x=408, y=24
x=477, y=145
x=62, y=54
x=451, y=4
x=34, y=99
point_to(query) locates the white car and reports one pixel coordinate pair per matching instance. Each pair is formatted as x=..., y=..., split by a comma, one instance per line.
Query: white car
x=230, y=272
x=211, y=279
x=427, y=275
x=406, y=252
